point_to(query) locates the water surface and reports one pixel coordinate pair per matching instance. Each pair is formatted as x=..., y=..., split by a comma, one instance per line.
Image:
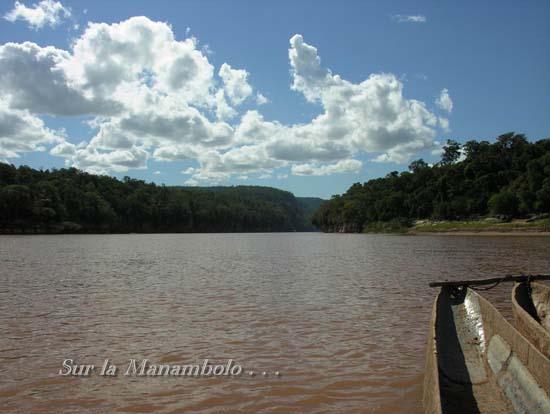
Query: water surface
x=343, y=318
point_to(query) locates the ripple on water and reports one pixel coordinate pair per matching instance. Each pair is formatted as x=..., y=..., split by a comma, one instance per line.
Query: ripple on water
x=342, y=317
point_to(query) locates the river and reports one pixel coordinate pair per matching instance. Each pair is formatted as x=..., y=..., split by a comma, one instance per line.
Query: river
x=343, y=319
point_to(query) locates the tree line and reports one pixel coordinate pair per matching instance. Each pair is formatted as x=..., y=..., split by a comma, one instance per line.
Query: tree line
x=509, y=178
x=70, y=200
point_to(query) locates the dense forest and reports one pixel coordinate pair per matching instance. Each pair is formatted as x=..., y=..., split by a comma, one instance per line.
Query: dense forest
x=69, y=200
x=509, y=178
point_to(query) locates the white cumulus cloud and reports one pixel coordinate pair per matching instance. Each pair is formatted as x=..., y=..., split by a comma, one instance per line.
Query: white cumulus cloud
x=261, y=99
x=444, y=100
x=20, y=131
x=191, y=182
x=342, y=166
x=147, y=95
x=369, y=116
x=64, y=149
x=45, y=13
x=235, y=83
x=33, y=78
x=223, y=110
x=137, y=60
x=444, y=123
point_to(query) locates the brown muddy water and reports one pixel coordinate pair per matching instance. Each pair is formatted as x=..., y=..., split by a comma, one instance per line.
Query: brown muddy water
x=343, y=318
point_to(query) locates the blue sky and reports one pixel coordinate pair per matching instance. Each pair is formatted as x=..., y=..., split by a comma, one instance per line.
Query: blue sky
x=366, y=108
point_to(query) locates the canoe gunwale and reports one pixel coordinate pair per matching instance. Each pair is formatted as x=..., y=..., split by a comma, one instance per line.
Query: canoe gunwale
x=431, y=397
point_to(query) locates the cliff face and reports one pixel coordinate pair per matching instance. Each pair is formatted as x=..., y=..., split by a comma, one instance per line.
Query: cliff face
x=342, y=228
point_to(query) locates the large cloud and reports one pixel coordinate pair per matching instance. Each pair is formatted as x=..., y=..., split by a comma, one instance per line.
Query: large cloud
x=47, y=12
x=371, y=116
x=155, y=128
x=309, y=77
x=342, y=166
x=94, y=159
x=20, y=131
x=33, y=78
x=144, y=86
x=235, y=83
x=152, y=96
x=115, y=60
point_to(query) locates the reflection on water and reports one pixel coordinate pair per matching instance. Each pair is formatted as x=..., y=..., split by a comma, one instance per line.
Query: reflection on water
x=344, y=318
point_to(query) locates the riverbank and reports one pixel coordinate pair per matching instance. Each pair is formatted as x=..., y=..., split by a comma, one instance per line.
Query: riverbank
x=485, y=227
x=480, y=233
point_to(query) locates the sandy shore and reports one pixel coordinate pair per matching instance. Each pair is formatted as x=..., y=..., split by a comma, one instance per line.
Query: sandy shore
x=481, y=233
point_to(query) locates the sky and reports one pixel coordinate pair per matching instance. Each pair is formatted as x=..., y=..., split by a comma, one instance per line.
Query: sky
x=308, y=96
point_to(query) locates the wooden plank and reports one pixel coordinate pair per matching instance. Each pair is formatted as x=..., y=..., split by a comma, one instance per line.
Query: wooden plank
x=490, y=281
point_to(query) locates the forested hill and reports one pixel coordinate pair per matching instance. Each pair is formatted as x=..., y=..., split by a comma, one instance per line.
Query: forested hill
x=309, y=205
x=69, y=200
x=509, y=178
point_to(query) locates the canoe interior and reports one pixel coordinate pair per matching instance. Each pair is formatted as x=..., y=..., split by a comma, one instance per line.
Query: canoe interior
x=477, y=368
x=532, y=314
x=538, y=305
x=522, y=298
x=540, y=295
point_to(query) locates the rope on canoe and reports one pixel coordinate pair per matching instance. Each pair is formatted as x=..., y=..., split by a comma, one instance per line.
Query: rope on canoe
x=494, y=285
x=490, y=281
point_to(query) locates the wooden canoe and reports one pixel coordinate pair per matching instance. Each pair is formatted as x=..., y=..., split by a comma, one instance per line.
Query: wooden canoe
x=477, y=362
x=532, y=314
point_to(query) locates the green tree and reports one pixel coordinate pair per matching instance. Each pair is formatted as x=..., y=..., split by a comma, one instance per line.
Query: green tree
x=451, y=152
x=418, y=165
x=16, y=202
x=505, y=202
